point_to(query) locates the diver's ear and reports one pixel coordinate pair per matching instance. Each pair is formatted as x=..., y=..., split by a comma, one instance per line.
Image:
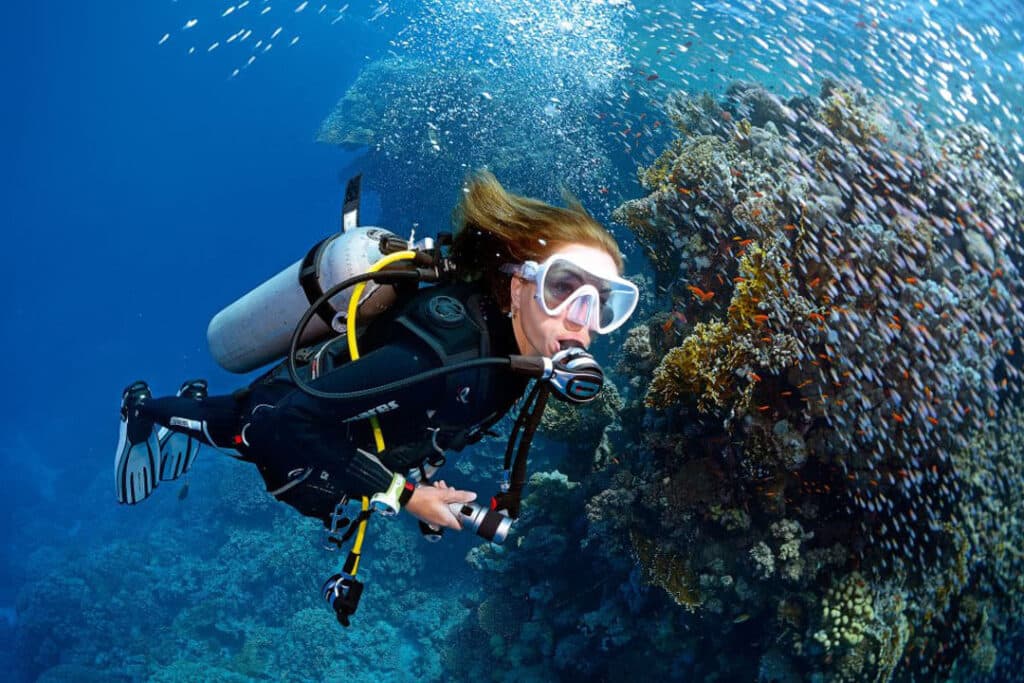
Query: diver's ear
x=515, y=293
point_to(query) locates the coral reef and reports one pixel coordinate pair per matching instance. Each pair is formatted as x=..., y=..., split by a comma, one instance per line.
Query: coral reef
x=561, y=603
x=233, y=601
x=668, y=571
x=847, y=611
x=830, y=411
x=716, y=361
x=584, y=430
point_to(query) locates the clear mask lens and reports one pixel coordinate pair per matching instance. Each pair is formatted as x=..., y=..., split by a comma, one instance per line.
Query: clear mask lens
x=581, y=308
x=563, y=278
x=564, y=282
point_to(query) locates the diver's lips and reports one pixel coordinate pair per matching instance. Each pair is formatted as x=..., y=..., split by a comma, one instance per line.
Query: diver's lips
x=568, y=343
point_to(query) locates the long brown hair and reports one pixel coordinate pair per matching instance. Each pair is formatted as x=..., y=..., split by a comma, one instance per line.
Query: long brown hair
x=494, y=227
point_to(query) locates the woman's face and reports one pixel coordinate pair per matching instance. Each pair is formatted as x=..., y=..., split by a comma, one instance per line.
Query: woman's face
x=540, y=334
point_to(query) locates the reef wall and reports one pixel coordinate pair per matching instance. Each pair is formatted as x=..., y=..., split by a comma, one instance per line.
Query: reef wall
x=815, y=469
x=815, y=449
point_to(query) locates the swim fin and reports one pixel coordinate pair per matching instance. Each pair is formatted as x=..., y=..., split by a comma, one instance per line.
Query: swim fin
x=177, y=453
x=138, y=451
x=178, y=450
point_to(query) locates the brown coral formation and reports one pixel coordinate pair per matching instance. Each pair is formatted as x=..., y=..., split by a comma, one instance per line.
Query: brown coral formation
x=851, y=288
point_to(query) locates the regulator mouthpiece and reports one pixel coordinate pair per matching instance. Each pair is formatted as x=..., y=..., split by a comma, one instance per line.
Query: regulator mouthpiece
x=575, y=376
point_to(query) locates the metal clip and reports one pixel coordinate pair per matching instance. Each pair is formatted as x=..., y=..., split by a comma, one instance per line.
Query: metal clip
x=440, y=459
x=338, y=523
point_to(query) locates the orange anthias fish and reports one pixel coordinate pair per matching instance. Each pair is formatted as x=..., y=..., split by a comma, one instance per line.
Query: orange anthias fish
x=673, y=318
x=700, y=293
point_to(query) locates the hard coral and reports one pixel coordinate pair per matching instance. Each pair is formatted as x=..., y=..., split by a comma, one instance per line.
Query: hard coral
x=847, y=612
x=582, y=426
x=849, y=114
x=851, y=287
x=720, y=362
x=701, y=366
x=669, y=571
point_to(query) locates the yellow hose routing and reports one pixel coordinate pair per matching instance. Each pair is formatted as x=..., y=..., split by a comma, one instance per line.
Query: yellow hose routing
x=356, y=553
x=350, y=325
x=353, y=352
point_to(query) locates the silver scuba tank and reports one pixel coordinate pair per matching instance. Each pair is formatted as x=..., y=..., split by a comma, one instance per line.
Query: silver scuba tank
x=257, y=328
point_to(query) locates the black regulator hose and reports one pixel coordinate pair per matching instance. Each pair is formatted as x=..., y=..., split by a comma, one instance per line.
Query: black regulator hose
x=534, y=367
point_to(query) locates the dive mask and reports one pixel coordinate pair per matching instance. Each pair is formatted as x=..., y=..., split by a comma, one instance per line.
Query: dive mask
x=598, y=302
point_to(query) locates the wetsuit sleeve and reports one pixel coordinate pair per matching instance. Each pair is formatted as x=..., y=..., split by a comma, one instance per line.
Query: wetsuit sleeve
x=334, y=436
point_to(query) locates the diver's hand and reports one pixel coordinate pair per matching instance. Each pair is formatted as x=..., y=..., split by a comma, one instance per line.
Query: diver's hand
x=429, y=504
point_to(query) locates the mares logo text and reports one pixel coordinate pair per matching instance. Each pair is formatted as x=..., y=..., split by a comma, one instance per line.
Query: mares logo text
x=382, y=408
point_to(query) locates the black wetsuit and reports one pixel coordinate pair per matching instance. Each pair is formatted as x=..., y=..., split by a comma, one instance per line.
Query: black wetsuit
x=311, y=451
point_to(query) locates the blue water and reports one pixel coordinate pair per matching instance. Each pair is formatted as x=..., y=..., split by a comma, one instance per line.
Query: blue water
x=146, y=187
x=141, y=193
x=144, y=192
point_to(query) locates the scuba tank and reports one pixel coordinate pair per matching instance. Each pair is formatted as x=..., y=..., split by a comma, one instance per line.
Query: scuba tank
x=257, y=328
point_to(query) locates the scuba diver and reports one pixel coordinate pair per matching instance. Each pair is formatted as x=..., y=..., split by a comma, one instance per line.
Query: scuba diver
x=517, y=296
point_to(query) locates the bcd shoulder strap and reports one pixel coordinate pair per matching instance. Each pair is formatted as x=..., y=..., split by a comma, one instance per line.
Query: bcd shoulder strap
x=449, y=320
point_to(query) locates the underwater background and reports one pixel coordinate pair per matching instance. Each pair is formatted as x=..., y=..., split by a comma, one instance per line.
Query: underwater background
x=809, y=466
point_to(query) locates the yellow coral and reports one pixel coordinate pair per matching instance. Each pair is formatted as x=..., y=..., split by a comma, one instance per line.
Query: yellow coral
x=847, y=612
x=658, y=176
x=761, y=279
x=691, y=368
x=849, y=119
x=668, y=571
x=706, y=363
x=691, y=164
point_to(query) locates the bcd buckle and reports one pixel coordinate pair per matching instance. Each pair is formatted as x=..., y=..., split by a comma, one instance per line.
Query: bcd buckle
x=339, y=521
